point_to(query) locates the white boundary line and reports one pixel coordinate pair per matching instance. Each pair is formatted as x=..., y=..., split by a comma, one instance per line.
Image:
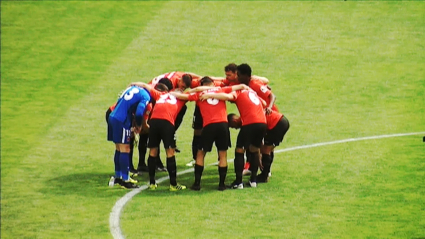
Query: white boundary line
x=114, y=216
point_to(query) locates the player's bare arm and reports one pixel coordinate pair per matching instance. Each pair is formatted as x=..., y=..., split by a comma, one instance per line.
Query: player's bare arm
x=180, y=96
x=260, y=78
x=240, y=87
x=142, y=85
x=201, y=88
x=218, y=96
x=272, y=98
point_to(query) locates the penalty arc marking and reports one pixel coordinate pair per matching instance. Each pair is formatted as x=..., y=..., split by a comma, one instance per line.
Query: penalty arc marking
x=114, y=216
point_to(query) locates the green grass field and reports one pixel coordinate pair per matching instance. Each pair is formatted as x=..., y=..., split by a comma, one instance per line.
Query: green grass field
x=339, y=70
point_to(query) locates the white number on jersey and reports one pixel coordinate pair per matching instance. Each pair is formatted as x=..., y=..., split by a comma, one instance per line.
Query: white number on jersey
x=171, y=99
x=129, y=95
x=253, y=97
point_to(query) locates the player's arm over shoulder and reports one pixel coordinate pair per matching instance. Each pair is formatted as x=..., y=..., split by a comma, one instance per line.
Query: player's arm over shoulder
x=264, y=80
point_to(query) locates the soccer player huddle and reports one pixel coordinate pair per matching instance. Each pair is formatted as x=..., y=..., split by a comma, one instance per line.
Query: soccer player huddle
x=154, y=111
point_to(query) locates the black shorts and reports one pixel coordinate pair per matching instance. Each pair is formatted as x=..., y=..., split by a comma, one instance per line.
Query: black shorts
x=161, y=130
x=275, y=136
x=251, y=134
x=215, y=132
x=197, y=119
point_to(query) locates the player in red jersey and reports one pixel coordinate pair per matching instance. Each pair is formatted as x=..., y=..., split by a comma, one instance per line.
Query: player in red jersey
x=252, y=131
x=215, y=129
x=179, y=79
x=277, y=126
x=162, y=127
x=244, y=76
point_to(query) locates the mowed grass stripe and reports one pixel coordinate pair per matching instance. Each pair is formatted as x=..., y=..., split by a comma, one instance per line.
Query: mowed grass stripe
x=55, y=178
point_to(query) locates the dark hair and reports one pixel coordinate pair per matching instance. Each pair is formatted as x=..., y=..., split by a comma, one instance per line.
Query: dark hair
x=161, y=87
x=244, y=69
x=230, y=117
x=206, y=80
x=187, y=79
x=231, y=67
x=167, y=82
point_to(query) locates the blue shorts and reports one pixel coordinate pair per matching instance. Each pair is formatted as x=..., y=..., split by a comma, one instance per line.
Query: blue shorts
x=119, y=132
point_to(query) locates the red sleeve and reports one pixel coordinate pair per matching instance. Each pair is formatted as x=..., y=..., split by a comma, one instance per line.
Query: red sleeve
x=261, y=90
x=227, y=89
x=155, y=94
x=194, y=97
x=218, y=83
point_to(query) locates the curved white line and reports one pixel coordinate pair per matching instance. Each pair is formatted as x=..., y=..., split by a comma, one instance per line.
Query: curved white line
x=114, y=216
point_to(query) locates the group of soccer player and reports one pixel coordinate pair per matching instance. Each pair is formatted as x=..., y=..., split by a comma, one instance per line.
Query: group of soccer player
x=155, y=110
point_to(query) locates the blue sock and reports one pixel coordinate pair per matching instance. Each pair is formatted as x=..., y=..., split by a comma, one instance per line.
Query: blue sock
x=124, y=165
x=117, y=164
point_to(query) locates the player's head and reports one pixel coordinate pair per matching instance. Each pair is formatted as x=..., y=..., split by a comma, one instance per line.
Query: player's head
x=206, y=81
x=185, y=81
x=161, y=87
x=244, y=73
x=166, y=82
x=234, y=121
x=230, y=71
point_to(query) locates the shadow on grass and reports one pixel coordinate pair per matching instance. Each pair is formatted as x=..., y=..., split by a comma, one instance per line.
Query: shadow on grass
x=89, y=184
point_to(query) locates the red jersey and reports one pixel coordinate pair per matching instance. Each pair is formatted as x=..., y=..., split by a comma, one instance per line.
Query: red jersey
x=249, y=106
x=212, y=110
x=226, y=82
x=173, y=76
x=262, y=91
x=273, y=118
x=166, y=107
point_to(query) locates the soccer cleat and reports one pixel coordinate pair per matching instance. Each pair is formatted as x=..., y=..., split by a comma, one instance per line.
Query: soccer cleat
x=221, y=187
x=246, y=172
x=161, y=169
x=132, y=180
x=252, y=184
x=134, y=173
x=236, y=185
x=191, y=163
x=153, y=186
x=195, y=187
x=262, y=179
x=111, y=182
x=129, y=185
x=178, y=187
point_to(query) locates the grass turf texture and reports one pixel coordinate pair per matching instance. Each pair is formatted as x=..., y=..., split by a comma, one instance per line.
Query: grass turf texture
x=339, y=70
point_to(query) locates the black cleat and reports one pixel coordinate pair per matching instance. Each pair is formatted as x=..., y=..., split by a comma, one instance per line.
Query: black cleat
x=195, y=187
x=221, y=187
x=129, y=185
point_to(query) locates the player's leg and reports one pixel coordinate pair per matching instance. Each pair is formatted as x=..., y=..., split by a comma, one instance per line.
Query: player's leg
x=121, y=137
x=142, y=147
x=197, y=132
x=153, y=145
x=256, y=135
x=222, y=144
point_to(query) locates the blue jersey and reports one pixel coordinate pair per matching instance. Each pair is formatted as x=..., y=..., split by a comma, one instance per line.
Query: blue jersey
x=133, y=100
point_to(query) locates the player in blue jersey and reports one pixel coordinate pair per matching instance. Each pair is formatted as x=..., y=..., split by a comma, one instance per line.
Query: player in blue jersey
x=133, y=101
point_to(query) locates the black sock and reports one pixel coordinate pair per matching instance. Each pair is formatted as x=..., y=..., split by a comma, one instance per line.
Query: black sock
x=195, y=145
x=159, y=163
x=172, y=170
x=266, y=160
x=255, y=161
x=239, y=163
x=272, y=157
x=143, y=147
x=222, y=171
x=152, y=167
x=198, y=174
